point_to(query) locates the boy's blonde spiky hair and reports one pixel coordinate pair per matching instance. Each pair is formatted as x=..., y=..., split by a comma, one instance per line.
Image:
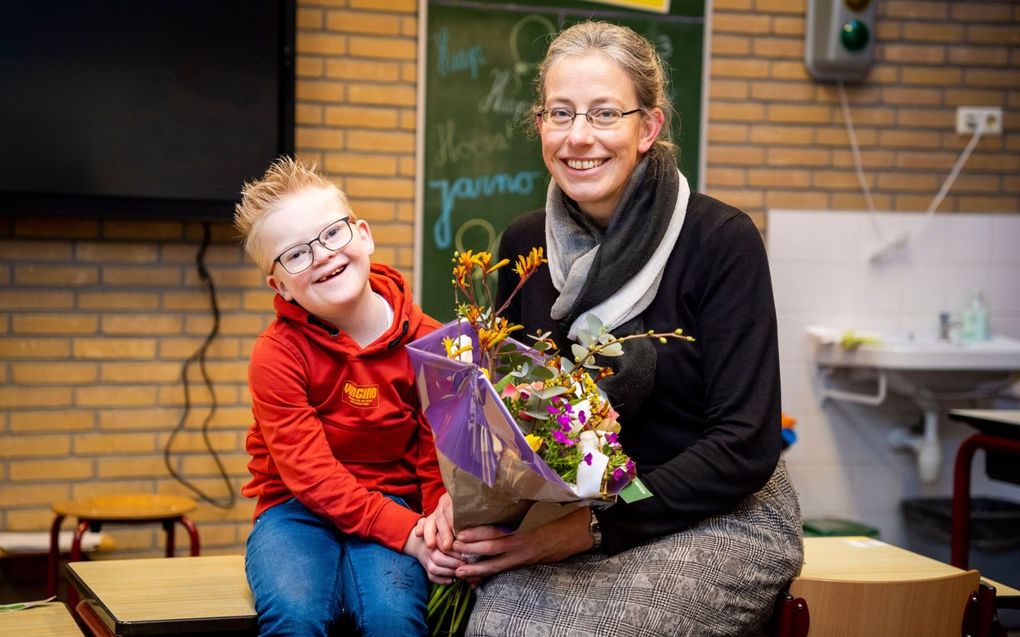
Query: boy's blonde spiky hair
x=284, y=177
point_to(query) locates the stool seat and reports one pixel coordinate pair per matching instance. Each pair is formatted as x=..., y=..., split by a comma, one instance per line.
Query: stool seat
x=121, y=508
x=126, y=507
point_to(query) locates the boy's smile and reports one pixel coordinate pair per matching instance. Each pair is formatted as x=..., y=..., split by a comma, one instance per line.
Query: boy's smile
x=332, y=274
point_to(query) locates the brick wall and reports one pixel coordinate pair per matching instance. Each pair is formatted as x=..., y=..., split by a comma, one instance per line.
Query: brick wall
x=98, y=317
x=777, y=140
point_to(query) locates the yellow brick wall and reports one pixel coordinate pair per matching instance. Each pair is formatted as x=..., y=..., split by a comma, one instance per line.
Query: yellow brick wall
x=98, y=317
x=777, y=140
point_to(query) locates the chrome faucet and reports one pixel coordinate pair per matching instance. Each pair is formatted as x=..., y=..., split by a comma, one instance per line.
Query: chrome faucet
x=946, y=324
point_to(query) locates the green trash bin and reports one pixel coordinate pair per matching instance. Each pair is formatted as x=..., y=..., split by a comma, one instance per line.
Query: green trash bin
x=835, y=527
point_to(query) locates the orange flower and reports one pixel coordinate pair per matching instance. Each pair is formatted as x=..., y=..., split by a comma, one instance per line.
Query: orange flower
x=526, y=265
x=461, y=277
x=490, y=338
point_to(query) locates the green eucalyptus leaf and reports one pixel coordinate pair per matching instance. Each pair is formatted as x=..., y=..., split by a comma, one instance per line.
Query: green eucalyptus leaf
x=542, y=373
x=613, y=349
x=585, y=337
x=578, y=351
x=549, y=392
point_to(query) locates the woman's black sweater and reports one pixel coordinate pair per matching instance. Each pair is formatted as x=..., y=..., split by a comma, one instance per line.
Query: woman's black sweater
x=709, y=434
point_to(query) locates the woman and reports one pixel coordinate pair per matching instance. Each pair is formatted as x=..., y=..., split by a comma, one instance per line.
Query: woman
x=627, y=240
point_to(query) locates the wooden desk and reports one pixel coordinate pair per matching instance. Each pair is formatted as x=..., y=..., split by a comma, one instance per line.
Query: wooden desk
x=183, y=595
x=863, y=559
x=48, y=620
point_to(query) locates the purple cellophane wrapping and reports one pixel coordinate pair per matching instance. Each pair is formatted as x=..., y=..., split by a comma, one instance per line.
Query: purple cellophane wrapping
x=488, y=468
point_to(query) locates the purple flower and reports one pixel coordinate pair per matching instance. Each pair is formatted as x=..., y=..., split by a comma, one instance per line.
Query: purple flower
x=611, y=438
x=587, y=458
x=619, y=474
x=630, y=466
x=564, y=422
x=552, y=409
x=563, y=439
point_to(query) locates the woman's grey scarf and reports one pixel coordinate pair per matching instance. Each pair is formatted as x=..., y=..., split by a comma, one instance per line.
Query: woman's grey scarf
x=615, y=274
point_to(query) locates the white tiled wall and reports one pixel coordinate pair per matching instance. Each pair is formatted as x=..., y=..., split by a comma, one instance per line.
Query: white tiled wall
x=823, y=274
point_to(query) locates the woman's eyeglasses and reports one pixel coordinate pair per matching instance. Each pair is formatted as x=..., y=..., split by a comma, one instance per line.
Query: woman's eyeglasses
x=298, y=258
x=601, y=118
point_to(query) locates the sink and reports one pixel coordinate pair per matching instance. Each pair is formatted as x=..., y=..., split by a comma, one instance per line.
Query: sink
x=1001, y=354
x=918, y=367
x=936, y=375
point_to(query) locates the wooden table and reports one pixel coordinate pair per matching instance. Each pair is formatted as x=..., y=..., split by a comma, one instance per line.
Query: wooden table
x=863, y=559
x=189, y=595
x=183, y=595
x=48, y=620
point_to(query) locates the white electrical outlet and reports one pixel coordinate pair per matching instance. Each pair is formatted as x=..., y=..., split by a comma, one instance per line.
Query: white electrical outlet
x=987, y=119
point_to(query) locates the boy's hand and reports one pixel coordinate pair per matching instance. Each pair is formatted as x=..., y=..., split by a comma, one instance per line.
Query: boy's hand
x=439, y=567
x=438, y=527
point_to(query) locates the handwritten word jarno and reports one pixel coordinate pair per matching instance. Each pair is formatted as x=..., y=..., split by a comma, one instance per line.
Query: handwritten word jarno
x=523, y=183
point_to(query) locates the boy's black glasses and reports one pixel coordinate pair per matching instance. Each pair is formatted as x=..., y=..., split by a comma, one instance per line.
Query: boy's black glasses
x=298, y=258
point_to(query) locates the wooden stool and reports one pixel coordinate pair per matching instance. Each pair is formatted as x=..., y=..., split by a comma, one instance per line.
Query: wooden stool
x=135, y=508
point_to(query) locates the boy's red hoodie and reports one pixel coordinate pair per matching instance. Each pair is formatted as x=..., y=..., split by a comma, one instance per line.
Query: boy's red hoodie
x=338, y=426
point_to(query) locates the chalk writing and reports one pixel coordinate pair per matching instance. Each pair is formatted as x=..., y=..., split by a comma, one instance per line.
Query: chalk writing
x=448, y=61
x=523, y=183
x=664, y=45
x=450, y=149
x=528, y=31
x=488, y=244
x=498, y=101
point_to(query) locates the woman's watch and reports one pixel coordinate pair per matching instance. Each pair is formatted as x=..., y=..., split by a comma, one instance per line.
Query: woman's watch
x=596, y=532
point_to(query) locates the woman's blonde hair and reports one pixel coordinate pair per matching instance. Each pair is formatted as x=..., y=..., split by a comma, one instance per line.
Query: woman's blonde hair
x=635, y=55
x=284, y=177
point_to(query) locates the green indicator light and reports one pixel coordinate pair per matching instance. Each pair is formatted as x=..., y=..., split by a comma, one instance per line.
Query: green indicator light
x=854, y=35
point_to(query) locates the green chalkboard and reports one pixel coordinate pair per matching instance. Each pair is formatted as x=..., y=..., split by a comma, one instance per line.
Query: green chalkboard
x=479, y=162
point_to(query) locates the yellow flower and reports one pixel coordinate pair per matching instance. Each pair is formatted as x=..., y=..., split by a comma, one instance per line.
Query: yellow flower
x=526, y=265
x=535, y=442
x=499, y=264
x=461, y=276
x=471, y=312
x=490, y=338
x=453, y=350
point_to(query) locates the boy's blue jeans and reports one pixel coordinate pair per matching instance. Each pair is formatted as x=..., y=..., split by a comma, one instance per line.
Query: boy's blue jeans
x=304, y=573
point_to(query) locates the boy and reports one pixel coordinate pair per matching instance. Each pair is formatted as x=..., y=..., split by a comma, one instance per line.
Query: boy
x=341, y=458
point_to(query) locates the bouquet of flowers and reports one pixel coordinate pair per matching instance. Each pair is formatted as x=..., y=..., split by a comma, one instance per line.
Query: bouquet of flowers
x=524, y=434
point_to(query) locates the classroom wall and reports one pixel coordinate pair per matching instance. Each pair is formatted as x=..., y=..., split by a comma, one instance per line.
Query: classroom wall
x=843, y=464
x=98, y=317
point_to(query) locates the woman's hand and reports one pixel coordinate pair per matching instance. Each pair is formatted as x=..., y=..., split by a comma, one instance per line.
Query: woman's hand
x=503, y=551
x=439, y=567
x=438, y=527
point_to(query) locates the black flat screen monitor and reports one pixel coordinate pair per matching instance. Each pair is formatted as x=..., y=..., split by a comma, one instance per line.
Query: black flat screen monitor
x=142, y=108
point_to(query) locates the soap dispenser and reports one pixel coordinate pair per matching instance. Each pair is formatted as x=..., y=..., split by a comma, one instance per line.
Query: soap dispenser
x=974, y=323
